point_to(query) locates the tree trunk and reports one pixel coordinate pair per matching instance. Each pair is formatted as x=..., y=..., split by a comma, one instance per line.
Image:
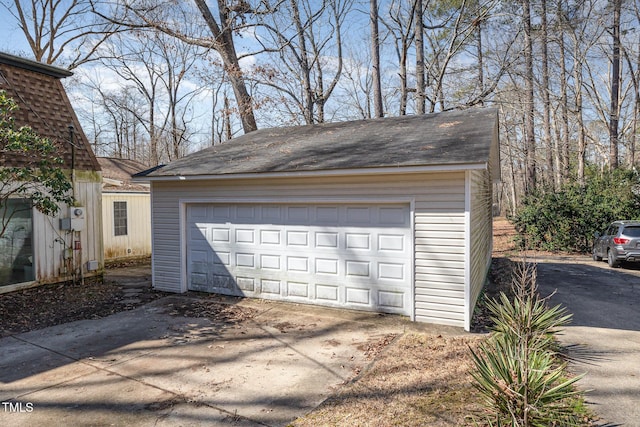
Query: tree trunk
x=582, y=141
x=305, y=69
x=419, y=37
x=480, y=59
x=375, y=59
x=226, y=48
x=564, y=108
x=530, y=141
x=615, y=87
x=546, y=105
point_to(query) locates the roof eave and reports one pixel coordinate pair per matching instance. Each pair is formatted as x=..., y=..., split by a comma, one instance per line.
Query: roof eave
x=323, y=173
x=36, y=66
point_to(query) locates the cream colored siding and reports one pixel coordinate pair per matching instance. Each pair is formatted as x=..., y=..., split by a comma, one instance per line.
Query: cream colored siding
x=436, y=198
x=50, y=242
x=137, y=241
x=481, y=237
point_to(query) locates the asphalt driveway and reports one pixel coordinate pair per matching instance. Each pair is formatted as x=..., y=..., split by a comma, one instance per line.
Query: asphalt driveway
x=604, y=336
x=259, y=363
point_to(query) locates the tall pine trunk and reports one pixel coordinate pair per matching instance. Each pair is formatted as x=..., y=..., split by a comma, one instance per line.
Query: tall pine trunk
x=615, y=87
x=419, y=37
x=530, y=139
x=375, y=59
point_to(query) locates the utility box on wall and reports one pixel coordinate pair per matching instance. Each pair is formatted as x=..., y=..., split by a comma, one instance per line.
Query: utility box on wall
x=75, y=221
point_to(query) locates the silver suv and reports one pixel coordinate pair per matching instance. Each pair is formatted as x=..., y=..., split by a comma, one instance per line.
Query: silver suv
x=619, y=242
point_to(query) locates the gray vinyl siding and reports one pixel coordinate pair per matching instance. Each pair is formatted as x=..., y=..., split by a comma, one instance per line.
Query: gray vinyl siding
x=439, y=204
x=481, y=234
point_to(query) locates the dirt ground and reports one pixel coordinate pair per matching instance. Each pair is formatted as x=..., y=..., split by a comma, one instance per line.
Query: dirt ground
x=412, y=379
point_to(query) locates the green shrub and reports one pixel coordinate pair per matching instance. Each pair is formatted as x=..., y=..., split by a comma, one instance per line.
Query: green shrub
x=566, y=220
x=518, y=371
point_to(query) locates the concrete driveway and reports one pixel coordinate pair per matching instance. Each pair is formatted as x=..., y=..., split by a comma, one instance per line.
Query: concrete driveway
x=154, y=366
x=604, y=336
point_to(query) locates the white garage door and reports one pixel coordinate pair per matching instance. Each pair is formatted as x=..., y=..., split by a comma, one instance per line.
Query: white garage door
x=353, y=256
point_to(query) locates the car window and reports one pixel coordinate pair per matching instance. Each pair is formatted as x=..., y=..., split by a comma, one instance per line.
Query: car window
x=632, y=231
x=612, y=230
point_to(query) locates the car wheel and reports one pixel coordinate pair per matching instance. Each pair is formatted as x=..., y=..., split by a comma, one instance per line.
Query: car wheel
x=611, y=260
x=595, y=255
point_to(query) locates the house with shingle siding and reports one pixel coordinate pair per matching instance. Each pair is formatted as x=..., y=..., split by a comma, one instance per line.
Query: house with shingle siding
x=390, y=215
x=36, y=248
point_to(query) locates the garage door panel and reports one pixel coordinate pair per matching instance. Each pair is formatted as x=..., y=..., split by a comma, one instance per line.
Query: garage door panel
x=270, y=237
x=247, y=284
x=220, y=235
x=358, y=241
x=295, y=289
x=358, y=269
x=244, y=235
x=393, y=301
x=392, y=271
x=298, y=264
x=270, y=286
x=270, y=262
x=361, y=296
x=198, y=234
x=327, y=293
x=327, y=215
x=298, y=238
x=326, y=239
x=338, y=255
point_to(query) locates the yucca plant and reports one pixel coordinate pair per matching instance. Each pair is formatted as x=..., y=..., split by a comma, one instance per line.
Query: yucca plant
x=527, y=318
x=518, y=371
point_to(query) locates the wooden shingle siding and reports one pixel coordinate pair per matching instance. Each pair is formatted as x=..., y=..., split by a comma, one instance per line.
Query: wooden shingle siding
x=44, y=106
x=481, y=239
x=438, y=202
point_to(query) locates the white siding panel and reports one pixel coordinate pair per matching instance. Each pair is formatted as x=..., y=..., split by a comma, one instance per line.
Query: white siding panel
x=51, y=244
x=137, y=242
x=439, y=203
x=480, y=235
x=421, y=294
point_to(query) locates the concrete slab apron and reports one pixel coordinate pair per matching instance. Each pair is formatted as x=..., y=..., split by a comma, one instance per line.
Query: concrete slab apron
x=146, y=367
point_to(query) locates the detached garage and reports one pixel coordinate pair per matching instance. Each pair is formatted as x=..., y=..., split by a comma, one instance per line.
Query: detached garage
x=389, y=215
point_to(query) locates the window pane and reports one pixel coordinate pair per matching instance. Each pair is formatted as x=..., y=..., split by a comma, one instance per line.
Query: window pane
x=632, y=231
x=119, y=218
x=16, y=248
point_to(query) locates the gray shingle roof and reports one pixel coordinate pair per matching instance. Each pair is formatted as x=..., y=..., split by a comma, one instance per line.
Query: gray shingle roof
x=449, y=138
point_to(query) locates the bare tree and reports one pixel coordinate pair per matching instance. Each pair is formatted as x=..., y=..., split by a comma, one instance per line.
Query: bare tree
x=154, y=69
x=306, y=38
x=60, y=32
x=176, y=19
x=400, y=26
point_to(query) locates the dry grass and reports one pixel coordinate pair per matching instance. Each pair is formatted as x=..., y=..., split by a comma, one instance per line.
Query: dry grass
x=418, y=380
x=504, y=234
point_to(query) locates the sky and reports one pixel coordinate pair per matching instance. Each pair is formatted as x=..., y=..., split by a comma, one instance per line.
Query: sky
x=11, y=38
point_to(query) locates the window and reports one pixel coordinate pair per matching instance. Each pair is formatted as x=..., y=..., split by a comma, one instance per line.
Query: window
x=119, y=218
x=16, y=249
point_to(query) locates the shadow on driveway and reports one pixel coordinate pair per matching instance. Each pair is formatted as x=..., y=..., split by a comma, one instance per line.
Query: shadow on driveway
x=154, y=366
x=604, y=335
